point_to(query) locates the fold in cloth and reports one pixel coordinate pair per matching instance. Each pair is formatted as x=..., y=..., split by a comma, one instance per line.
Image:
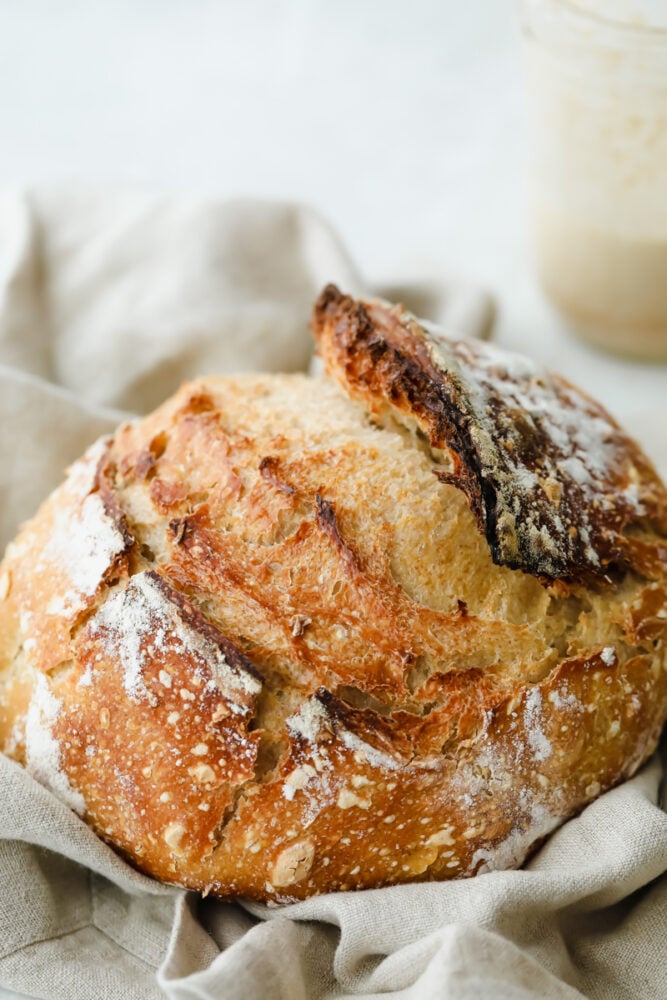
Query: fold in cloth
x=107, y=301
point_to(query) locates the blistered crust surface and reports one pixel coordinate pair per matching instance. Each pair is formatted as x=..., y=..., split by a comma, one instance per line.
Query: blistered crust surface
x=553, y=482
x=288, y=663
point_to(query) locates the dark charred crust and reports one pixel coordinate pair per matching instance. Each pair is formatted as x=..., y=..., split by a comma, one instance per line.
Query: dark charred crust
x=195, y=620
x=268, y=468
x=215, y=566
x=552, y=481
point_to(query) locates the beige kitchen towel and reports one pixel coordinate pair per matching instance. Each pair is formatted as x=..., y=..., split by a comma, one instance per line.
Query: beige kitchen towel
x=107, y=300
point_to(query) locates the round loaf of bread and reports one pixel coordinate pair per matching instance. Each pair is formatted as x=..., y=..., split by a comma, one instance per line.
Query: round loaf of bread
x=289, y=635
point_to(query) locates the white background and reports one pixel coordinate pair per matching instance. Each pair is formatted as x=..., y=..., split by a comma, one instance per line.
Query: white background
x=402, y=120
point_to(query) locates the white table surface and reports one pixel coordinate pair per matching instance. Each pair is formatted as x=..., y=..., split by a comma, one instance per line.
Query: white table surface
x=402, y=121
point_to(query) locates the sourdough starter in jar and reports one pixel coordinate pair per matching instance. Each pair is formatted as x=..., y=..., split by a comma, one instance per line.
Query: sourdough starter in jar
x=597, y=88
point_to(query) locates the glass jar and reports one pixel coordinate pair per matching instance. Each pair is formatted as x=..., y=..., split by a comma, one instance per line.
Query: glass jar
x=597, y=99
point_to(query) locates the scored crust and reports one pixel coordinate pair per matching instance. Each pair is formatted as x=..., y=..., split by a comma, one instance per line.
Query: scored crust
x=550, y=476
x=270, y=641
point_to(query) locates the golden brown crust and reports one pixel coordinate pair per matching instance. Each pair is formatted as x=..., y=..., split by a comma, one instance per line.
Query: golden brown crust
x=265, y=651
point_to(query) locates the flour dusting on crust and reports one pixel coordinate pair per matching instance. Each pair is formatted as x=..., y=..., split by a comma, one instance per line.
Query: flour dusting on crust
x=375, y=757
x=84, y=544
x=551, y=455
x=533, y=720
x=82, y=474
x=139, y=623
x=43, y=749
x=512, y=851
x=309, y=721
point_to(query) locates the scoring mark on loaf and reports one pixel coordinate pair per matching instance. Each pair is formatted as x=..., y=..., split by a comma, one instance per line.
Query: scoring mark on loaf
x=148, y=617
x=314, y=719
x=550, y=477
x=500, y=802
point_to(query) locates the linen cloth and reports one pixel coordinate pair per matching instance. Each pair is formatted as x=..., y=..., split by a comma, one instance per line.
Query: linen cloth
x=107, y=301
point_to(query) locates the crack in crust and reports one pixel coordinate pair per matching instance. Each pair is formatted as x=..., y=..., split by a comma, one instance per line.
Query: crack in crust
x=552, y=480
x=238, y=663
